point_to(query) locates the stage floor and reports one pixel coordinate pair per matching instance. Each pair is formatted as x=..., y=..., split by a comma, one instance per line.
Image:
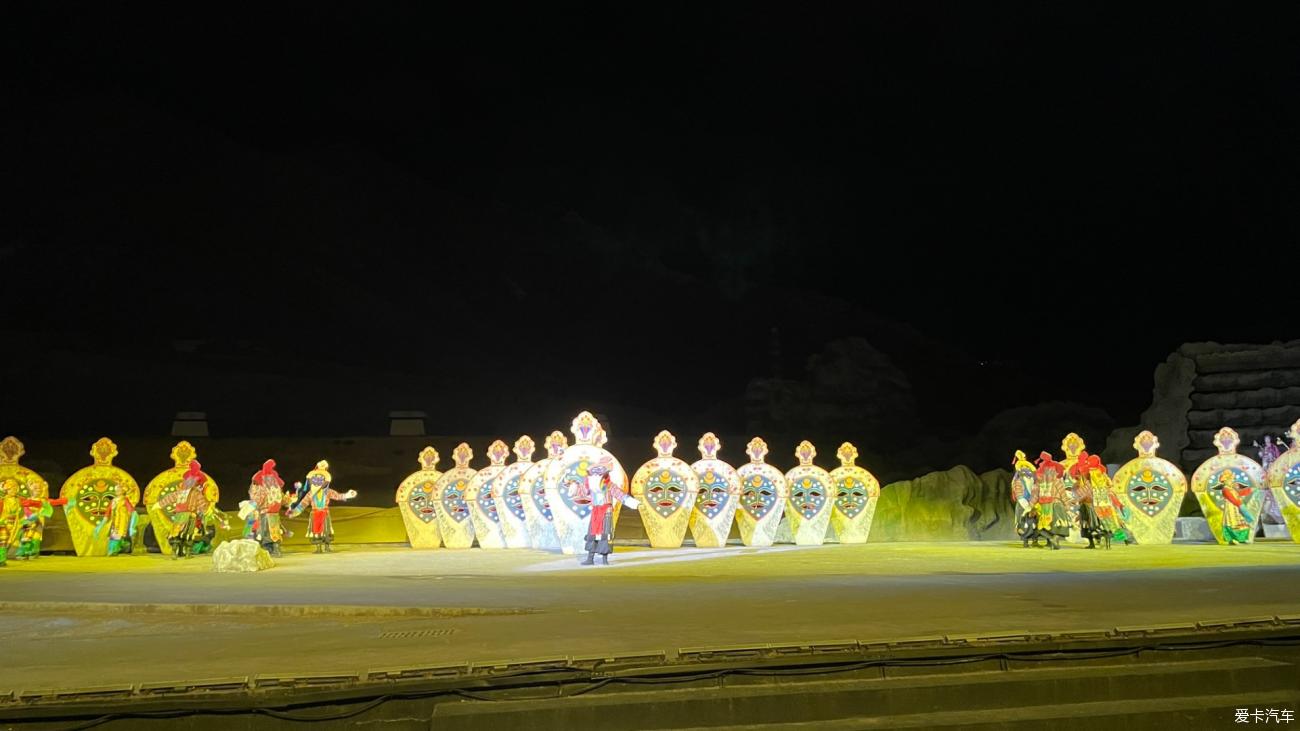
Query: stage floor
x=73, y=622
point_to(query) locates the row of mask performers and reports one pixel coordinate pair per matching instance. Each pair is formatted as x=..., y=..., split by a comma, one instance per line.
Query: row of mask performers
x=1077, y=498
x=571, y=498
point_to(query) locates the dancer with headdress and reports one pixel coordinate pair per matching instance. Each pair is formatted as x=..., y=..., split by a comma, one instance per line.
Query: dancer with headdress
x=598, y=487
x=190, y=510
x=1053, y=513
x=31, y=524
x=10, y=513
x=318, y=494
x=1236, y=520
x=266, y=493
x=121, y=521
x=1090, y=525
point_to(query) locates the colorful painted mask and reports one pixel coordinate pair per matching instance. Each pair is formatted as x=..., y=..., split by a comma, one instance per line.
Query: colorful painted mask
x=1152, y=488
x=420, y=501
x=809, y=505
x=763, y=493
x=91, y=492
x=667, y=488
x=856, y=494
x=454, y=505
x=417, y=500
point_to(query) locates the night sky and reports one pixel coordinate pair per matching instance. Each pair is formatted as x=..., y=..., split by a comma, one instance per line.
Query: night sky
x=617, y=207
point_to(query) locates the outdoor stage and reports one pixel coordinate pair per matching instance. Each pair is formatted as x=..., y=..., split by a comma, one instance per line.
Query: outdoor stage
x=152, y=632
x=152, y=619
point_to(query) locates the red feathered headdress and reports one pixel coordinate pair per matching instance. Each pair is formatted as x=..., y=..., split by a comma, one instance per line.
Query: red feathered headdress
x=268, y=470
x=196, y=473
x=1086, y=464
x=1045, y=463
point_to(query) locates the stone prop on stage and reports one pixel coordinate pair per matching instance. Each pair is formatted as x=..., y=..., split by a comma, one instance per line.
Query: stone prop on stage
x=536, y=503
x=22, y=521
x=602, y=494
x=507, y=493
x=449, y=491
x=162, y=517
x=1152, y=489
x=1052, y=517
x=1024, y=493
x=101, y=504
x=266, y=500
x=719, y=495
x=185, y=508
x=319, y=495
x=856, y=493
x=417, y=503
x=1230, y=488
x=809, y=505
x=241, y=556
x=571, y=515
x=483, y=510
x=1284, y=482
x=666, y=488
x=763, y=493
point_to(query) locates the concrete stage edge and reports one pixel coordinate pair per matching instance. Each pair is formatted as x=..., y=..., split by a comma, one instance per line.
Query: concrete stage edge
x=368, y=621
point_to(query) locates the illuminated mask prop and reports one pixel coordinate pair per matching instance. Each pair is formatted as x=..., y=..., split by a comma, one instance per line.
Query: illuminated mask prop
x=718, y=498
x=763, y=493
x=453, y=510
x=507, y=492
x=91, y=492
x=29, y=484
x=1152, y=488
x=1283, y=480
x=418, y=503
x=809, y=505
x=1236, y=472
x=534, y=498
x=482, y=505
x=666, y=487
x=856, y=494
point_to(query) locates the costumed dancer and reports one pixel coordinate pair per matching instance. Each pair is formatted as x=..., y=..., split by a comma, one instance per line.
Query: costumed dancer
x=1053, y=514
x=188, y=506
x=1236, y=521
x=1267, y=454
x=208, y=523
x=1024, y=493
x=121, y=520
x=266, y=493
x=602, y=491
x=319, y=495
x=31, y=526
x=11, y=509
x=1111, y=513
x=248, y=514
x=1090, y=525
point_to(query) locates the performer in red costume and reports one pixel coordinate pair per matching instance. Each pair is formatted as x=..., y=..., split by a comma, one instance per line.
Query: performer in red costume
x=602, y=491
x=266, y=491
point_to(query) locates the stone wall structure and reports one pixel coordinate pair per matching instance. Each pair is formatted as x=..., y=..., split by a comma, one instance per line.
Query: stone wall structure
x=1201, y=387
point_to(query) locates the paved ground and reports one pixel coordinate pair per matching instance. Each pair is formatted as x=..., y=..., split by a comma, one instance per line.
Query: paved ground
x=487, y=605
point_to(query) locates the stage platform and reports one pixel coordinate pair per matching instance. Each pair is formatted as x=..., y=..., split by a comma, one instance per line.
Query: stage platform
x=115, y=635
x=151, y=619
